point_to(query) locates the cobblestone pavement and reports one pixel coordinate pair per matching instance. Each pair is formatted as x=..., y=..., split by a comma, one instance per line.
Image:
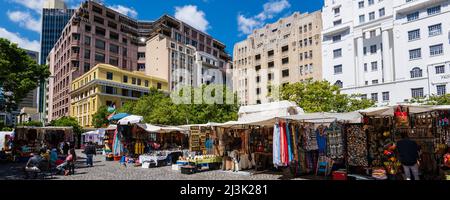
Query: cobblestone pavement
x=108, y=170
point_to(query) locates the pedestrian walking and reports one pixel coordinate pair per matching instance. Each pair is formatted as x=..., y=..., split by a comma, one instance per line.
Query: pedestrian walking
x=409, y=156
x=90, y=150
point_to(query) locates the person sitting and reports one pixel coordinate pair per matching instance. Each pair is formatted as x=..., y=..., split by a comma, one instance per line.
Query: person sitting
x=33, y=164
x=65, y=166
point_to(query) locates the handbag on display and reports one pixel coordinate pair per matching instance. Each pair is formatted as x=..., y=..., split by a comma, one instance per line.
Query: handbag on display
x=401, y=117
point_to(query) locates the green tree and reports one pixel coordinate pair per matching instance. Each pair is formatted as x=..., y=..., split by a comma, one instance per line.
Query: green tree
x=19, y=74
x=432, y=100
x=31, y=123
x=321, y=96
x=158, y=108
x=7, y=129
x=68, y=122
x=99, y=120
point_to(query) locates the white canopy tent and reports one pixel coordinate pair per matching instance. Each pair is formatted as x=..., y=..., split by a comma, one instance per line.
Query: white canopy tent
x=389, y=111
x=132, y=119
x=161, y=129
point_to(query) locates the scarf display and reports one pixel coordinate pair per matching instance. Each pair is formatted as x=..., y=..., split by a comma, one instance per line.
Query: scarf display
x=356, y=146
x=283, y=145
x=335, y=141
x=321, y=140
x=289, y=140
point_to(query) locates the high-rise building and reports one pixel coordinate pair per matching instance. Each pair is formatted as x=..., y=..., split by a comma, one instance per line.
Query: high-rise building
x=28, y=107
x=106, y=85
x=394, y=44
x=183, y=55
x=286, y=51
x=55, y=16
x=95, y=34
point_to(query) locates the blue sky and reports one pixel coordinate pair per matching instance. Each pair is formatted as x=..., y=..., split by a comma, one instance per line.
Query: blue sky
x=227, y=20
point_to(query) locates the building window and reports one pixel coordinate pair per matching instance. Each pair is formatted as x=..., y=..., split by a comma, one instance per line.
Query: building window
x=436, y=50
x=141, y=66
x=114, y=48
x=114, y=61
x=133, y=81
x=412, y=16
x=100, y=57
x=374, y=66
x=339, y=84
x=417, y=93
x=338, y=69
x=109, y=75
x=270, y=76
x=434, y=10
x=87, y=40
x=337, y=22
x=361, y=4
x=374, y=97
x=285, y=48
x=337, y=53
x=258, y=91
x=415, y=54
x=365, y=50
x=440, y=69
x=362, y=19
x=365, y=67
x=125, y=79
x=258, y=67
x=141, y=55
x=371, y=2
x=382, y=12
x=270, y=53
x=337, y=38
x=271, y=64
x=100, y=31
x=373, y=34
x=414, y=35
x=416, y=72
x=285, y=60
x=87, y=67
x=100, y=44
x=258, y=79
x=385, y=96
x=87, y=54
x=258, y=57
x=371, y=16
x=138, y=81
x=285, y=73
x=374, y=81
x=434, y=30
x=441, y=90
x=373, y=49
x=158, y=86
x=364, y=96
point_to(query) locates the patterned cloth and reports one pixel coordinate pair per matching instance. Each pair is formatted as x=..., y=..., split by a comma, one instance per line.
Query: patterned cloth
x=310, y=138
x=357, y=146
x=335, y=141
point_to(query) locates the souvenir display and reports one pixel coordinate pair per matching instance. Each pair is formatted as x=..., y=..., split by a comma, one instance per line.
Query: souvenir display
x=356, y=146
x=335, y=141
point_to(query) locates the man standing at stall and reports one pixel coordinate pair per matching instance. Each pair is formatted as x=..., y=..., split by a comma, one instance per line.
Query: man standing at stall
x=409, y=156
x=90, y=151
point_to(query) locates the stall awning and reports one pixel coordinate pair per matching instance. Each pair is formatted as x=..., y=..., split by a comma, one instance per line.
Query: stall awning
x=118, y=116
x=389, y=111
x=132, y=119
x=266, y=112
x=160, y=129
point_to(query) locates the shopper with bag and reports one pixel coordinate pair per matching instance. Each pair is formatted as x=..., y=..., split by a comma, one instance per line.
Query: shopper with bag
x=409, y=156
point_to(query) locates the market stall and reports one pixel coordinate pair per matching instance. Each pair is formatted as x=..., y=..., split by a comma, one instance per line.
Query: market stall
x=31, y=139
x=426, y=125
x=96, y=137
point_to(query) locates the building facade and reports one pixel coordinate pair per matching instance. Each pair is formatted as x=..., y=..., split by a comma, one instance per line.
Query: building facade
x=174, y=53
x=391, y=46
x=95, y=34
x=287, y=51
x=106, y=85
x=28, y=107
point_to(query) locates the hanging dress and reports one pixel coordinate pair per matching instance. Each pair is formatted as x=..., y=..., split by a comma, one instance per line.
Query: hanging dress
x=288, y=136
x=276, y=145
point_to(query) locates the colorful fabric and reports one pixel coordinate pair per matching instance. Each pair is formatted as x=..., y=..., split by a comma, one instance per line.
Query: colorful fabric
x=310, y=139
x=321, y=140
x=276, y=145
x=288, y=136
x=357, y=146
x=335, y=141
x=283, y=144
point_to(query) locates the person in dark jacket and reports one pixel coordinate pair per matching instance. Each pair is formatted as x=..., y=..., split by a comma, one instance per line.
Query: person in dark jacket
x=90, y=151
x=409, y=156
x=66, y=148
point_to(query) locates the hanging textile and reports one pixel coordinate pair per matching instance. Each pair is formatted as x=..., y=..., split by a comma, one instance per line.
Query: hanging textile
x=276, y=145
x=288, y=136
x=335, y=141
x=294, y=142
x=357, y=146
x=321, y=140
x=283, y=144
x=310, y=139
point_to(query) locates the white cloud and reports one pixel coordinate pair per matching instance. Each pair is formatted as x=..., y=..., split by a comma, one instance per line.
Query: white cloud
x=131, y=12
x=25, y=20
x=270, y=9
x=35, y=5
x=22, y=42
x=192, y=16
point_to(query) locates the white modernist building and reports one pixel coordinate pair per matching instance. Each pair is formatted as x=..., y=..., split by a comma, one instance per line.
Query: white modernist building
x=387, y=50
